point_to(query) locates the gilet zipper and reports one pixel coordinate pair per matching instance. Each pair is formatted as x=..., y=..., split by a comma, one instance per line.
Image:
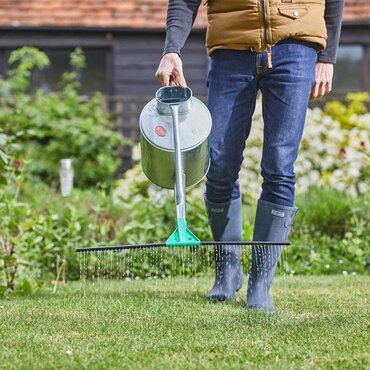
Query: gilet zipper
x=266, y=34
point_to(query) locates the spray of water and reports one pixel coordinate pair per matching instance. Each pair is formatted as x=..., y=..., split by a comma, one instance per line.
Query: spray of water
x=187, y=263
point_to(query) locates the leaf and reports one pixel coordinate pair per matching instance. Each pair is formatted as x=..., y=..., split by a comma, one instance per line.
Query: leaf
x=37, y=240
x=3, y=180
x=3, y=139
x=4, y=157
x=24, y=287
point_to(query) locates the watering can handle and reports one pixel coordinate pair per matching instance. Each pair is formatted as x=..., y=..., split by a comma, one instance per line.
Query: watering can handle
x=180, y=175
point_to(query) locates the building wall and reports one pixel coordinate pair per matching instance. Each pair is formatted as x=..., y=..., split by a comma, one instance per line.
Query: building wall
x=132, y=57
x=136, y=58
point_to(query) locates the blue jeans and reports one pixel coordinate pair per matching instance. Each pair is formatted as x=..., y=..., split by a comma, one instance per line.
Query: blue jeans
x=233, y=81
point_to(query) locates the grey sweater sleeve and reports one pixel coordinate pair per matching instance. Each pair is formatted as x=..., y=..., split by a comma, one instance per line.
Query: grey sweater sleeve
x=180, y=18
x=333, y=20
x=181, y=15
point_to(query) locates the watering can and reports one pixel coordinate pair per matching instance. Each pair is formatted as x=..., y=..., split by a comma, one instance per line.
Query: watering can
x=174, y=109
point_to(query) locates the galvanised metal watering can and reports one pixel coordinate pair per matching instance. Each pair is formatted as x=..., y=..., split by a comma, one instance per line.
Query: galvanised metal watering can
x=174, y=108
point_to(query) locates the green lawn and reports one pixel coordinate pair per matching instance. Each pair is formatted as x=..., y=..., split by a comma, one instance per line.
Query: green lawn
x=322, y=323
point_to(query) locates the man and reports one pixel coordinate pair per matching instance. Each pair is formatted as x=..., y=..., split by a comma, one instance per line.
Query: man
x=286, y=49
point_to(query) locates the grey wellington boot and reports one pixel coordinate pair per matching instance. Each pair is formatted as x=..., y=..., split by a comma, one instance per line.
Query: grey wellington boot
x=225, y=220
x=272, y=223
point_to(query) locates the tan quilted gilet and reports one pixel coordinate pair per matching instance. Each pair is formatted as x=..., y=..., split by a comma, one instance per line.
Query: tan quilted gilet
x=258, y=24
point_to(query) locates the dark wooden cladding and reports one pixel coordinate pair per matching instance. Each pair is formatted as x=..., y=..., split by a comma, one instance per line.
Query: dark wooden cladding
x=16, y=38
x=137, y=58
x=355, y=33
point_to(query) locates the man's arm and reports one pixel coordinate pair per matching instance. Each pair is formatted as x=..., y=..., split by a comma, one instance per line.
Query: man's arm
x=325, y=59
x=180, y=18
x=333, y=21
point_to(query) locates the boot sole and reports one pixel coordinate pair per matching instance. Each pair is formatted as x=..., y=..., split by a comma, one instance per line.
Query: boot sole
x=219, y=299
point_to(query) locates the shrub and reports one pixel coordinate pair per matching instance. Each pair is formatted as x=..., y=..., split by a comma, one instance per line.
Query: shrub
x=329, y=211
x=40, y=231
x=52, y=126
x=352, y=115
x=331, y=233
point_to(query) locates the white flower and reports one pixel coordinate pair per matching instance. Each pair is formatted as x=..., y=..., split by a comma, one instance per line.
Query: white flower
x=336, y=136
x=338, y=173
x=352, y=191
x=362, y=187
x=304, y=182
x=136, y=153
x=314, y=176
x=341, y=186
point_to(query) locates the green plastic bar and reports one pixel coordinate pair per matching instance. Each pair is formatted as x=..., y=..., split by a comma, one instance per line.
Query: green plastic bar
x=182, y=236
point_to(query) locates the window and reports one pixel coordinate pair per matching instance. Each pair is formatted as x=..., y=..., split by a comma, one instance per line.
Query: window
x=93, y=77
x=352, y=69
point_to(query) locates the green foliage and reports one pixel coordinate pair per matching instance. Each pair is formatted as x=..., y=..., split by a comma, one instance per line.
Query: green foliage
x=22, y=61
x=78, y=59
x=329, y=211
x=40, y=231
x=10, y=166
x=42, y=228
x=52, y=126
x=347, y=114
x=37, y=238
x=331, y=233
x=70, y=80
x=4, y=159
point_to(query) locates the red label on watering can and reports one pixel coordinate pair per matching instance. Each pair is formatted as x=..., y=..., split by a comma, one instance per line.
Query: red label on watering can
x=160, y=131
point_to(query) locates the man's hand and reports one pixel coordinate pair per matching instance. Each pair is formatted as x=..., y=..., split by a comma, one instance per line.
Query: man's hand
x=323, y=80
x=169, y=71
